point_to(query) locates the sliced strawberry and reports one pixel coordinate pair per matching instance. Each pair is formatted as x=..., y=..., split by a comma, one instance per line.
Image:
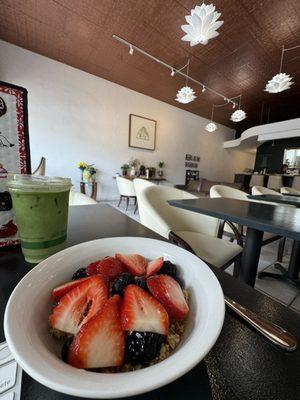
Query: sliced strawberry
x=154, y=266
x=63, y=289
x=142, y=312
x=79, y=305
x=168, y=292
x=134, y=263
x=109, y=266
x=101, y=341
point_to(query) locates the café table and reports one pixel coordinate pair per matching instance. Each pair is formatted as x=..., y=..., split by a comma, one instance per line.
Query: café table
x=283, y=199
x=259, y=218
x=242, y=365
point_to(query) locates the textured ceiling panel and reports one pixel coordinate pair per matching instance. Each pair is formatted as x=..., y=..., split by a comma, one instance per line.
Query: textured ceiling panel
x=241, y=60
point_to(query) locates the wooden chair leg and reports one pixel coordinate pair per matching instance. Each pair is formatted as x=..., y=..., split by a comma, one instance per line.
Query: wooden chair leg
x=281, y=249
x=135, y=201
x=120, y=201
x=127, y=202
x=136, y=208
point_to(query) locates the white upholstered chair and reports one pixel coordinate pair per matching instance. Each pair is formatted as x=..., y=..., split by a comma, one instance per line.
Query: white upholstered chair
x=231, y=193
x=289, y=190
x=80, y=199
x=139, y=185
x=193, y=231
x=274, y=182
x=126, y=190
x=296, y=183
x=257, y=180
x=259, y=190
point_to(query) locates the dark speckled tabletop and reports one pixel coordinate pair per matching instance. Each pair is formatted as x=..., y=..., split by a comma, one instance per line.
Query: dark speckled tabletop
x=241, y=366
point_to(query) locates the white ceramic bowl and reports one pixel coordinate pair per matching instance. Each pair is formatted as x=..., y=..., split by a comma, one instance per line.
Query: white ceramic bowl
x=27, y=331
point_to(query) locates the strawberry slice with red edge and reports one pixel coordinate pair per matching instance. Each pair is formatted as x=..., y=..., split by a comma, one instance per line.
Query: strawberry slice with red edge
x=142, y=312
x=63, y=289
x=109, y=266
x=79, y=305
x=134, y=263
x=154, y=266
x=168, y=292
x=101, y=341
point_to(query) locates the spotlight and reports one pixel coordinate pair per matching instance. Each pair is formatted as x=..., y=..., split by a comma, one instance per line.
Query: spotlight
x=172, y=72
x=233, y=105
x=131, y=50
x=203, y=89
x=224, y=99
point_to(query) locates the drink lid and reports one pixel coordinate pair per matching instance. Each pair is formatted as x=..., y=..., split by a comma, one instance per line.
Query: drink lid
x=33, y=183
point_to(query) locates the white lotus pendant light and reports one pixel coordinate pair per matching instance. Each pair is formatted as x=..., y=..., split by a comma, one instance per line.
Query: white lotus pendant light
x=185, y=95
x=211, y=127
x=281, y=81
x=238, y=116
x=202, y=25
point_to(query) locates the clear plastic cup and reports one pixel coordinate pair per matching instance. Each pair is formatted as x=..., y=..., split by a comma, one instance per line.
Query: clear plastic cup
x=41, y=207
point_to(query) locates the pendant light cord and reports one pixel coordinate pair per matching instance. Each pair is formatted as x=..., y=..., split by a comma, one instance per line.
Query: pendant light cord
x=282, y=54
x=187, y=72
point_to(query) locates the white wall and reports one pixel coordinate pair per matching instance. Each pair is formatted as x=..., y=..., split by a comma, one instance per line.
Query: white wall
x=76, y=116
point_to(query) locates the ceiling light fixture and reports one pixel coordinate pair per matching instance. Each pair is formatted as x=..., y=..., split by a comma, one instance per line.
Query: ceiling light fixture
x=281, y=81
x=239, y=114
x=170, y=67
x=130, y=50
x=173, y=72
x=186, y=94
x=202, y=25
x=211, y=126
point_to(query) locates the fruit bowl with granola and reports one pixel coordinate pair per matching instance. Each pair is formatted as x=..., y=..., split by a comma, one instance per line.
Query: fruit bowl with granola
x=114, y=317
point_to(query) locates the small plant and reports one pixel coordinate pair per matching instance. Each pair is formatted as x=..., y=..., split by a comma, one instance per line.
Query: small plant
x=152, y=171
x=142, y=170
x=161, y=164
x=125, y=167
x=82, y=165
x=91, y=169
x=134, y=163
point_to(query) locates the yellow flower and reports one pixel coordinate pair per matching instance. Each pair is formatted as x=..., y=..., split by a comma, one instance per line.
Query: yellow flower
x=82, y=165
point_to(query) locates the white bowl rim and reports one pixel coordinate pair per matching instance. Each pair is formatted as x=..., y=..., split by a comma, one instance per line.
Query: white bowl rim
x=216, y=324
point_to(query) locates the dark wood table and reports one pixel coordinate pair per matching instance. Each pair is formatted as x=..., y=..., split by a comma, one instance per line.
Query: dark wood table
x=94, y=188
x=283, y=199
x=241, y=366
x=259, y=218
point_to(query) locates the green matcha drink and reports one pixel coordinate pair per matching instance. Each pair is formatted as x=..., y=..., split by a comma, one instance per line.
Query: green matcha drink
x=41, y=207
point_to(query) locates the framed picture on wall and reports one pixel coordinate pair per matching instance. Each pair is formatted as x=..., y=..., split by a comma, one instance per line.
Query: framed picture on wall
x=142, y=132
x=14, y=153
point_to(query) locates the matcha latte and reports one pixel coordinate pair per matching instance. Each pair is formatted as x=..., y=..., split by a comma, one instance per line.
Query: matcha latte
x=41, y=207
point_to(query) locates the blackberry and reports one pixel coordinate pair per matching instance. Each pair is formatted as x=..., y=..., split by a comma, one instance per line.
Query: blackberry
x=141, y=282
x=142, y=347
x=120, y=283
x=80, y=273
x=65, y=348
x=168, y=269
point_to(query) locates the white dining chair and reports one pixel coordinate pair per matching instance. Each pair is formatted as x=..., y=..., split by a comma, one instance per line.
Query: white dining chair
x=257, y=180
x=139, y=185
x=80, y=199
x=296, y=183
x=240, y=232
x=195, y=232
x=260, y=190
x=274, y=182
x=289, y=190
x=126, y=190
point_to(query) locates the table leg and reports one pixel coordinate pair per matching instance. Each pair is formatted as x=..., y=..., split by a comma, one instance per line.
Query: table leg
x=250, y=256
x=294, y=264
x=291, y=275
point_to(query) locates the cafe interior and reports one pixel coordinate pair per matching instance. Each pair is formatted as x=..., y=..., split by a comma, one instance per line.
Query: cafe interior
x=149, y=155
